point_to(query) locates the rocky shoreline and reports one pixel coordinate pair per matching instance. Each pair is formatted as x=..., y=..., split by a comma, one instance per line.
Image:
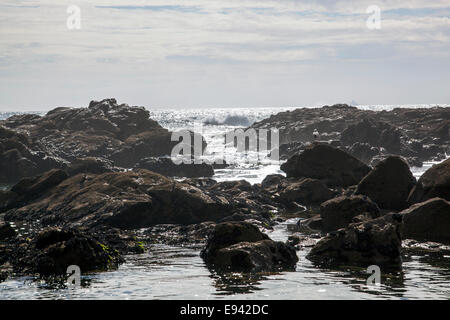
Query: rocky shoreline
x=91, y=185
x=417, y=135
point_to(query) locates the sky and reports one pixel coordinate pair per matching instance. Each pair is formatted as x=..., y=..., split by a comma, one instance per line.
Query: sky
x=223, y=53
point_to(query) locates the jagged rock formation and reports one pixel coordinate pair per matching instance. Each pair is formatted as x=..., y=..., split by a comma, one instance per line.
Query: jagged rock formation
x=242, y=247
x=435, y=182
x=388, y=184
x=420, y=134
x=427, y=221
x=127, y=200
x=123, y=135
x=324, y=162
x=376, y=241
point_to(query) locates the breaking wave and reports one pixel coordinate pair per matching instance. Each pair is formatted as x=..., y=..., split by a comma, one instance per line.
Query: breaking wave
x=230, y=120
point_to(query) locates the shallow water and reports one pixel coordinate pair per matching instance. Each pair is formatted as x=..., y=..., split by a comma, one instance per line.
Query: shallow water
x=169, y=272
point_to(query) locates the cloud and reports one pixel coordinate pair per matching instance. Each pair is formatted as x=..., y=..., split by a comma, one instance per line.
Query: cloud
x=177, y=37
x=235, y=30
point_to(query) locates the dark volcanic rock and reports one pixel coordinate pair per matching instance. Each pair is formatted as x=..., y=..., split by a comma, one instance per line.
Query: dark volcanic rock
x=376, y=242
x=313, y=223
x=30, y=144
x=265, y=255
x=127, y=200
x=337, y=213
x=55, y=249
x=306, y=191
x=411, y=161
x=228, y=233
x=20, y=157
x=427, y=221
x=6, y=231
x=166, y=167
x=29, y=189
x=295, y=193
x=181, y=234
x=435, y=182
x=7, y=199
x=273, y=183
x=257, y=219
x=299, y=124
x=235, y=246
x=433, y=152
x=288, y=150
x=324, y=162
x=233, y=187
x=414, y=162
x=146, y=144
x=90, y=165
x=388, y=184
x=376, y=134
x=38, y=184
x=394, y=130
x=244, y=197
x=363, y=151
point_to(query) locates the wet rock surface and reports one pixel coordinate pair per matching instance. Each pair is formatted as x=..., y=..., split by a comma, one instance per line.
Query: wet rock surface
x=53, y=250
x=167, y=167
x=194, y=234
x=31, y=144
x=287, y=150
x=306, y=191
x=374, y=133
x=421, y=133
x=29, y=189
x=245, y=197
x=21, y=157
x=339, y=212
x=127, y=200
x=324, y=162
x=113, y=205
x=388, y=184
x=241, y=246
x=435, y=182
x=90, y=165
x=6, y=231
x=364, y=152
x=376, y=241
x=311, y=224
x=427, y=221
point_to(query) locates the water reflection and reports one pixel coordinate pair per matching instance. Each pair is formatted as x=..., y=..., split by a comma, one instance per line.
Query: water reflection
x=237, y=283
x=176, y=272
x=57, y=282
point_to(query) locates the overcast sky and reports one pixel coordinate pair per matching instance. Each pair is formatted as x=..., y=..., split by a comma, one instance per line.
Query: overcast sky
x=222, y=53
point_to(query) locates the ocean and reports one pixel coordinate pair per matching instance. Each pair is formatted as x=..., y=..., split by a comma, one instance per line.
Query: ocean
x=213, y=123
x=178, y=272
